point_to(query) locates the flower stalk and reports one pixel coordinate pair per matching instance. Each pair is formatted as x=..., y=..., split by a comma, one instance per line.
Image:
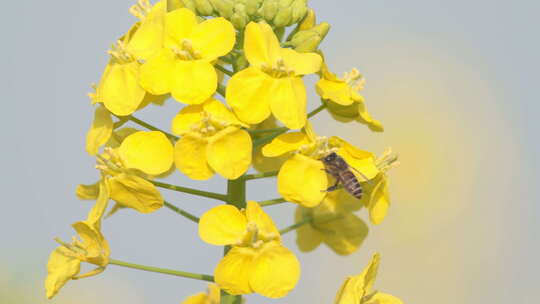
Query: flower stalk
x=182, y=212
x=192, y=191
x=184, y=274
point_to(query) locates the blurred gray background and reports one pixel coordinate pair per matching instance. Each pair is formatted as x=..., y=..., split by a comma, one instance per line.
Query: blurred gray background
x=454, y=82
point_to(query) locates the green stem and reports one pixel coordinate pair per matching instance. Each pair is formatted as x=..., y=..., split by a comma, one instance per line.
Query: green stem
x=203, y=277
x=296, y=225
x=148, y=126
x=213, y=195
x=267, y=130
x=221, y=90
x=224, y=70
x=120, y=122
x=260, y=175
x=317, y=110
x=182, y=212
x=272, y=202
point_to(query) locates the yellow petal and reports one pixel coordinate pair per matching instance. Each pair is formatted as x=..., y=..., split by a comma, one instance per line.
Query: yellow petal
x=219, y=111
x=275, y=271
x=342, y=113
x=261, y=44
x=100, y=131
x=336, y=91
x=96, y=213
x=285, y=143
x=342, y=201
x=190, y=157
x=301, y=63
x=148, y=39
x=249, y=93
x=148, y=151
x=60, y=269
x=87, y=192
x=289, y=101
x=362, y=162
x=119, y=135
x=232, y=273
x=186, y=118
x=365, y=117
x=344, y=235
x=262, y=163
x=95, y=246
x=200, y=298
x=229, y=152
x=266, y=227
x=369, y=274
x=135, y=192
x=179, y=24
x=384, y=298
x=307, y=238
x=379, y=202
x=193, y=81
x=302, y=180
x=156, y=72
x=213, y=38
x=119, y=88
x=222, y=225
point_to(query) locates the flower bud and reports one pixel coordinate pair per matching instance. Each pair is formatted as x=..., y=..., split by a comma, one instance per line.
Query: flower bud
x=308, y=22
x=204, y=7
x=309, y=40
x=225, y=8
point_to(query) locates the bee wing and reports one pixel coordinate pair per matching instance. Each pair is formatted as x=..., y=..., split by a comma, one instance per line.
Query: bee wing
x=361, y=174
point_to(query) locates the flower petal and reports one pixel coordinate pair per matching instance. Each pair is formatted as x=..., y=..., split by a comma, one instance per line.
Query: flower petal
x=379, y=201
x=219, y=111
x=190, y=157
x=249, y=93
x=285, y=143
x=229, y=152
x=135, y=192
x=87, y=192
x=222, y=225
x=289, y=101
x=364, y=117
x=119, y=88
x=274, y=271
x=148, y=39
x=301, y=63
x=266, y=227
x=156, y=72
x=179, y=24
x=302, y=180
x=100, y=131
x=336, y=91
x=95, y=246
x=61, y=268
x=384, y=298
x=102, y=201
x=261, y=44
x=307, y=238
x=148, y=151
x=200, y=298
x=344, y=235
x=186, y=118
x=193, y=81
x=232, y=273
x=213, y=38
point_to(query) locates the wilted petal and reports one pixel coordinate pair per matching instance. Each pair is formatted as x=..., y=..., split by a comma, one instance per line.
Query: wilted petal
x=135, y=192
x=87, y=192
x=100, y=131
x=61, y=268
x=222, y=225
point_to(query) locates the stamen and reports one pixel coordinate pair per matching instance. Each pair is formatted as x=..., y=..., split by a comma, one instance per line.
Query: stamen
x=387, y=160
x=185, y=51
x=141, y=9
x=278, y=70
x=354, y=79
x=118, y=51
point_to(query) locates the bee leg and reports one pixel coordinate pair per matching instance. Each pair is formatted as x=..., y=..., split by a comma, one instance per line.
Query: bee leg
x=332, y=188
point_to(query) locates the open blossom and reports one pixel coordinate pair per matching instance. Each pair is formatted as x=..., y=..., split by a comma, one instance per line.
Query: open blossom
x=358, y=289
x=305, y=164
x=257, y=261
x=184, y=66
x=332, y=223
x=272, y=84
x=342, y=98
x=65, y=261
x=212, y=141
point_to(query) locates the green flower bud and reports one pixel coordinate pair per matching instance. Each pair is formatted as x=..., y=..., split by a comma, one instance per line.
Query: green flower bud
x=190, y=4
x=308, y=22
x=224, y=8
x=309, y=40
x=204, y=7
x=269, y=9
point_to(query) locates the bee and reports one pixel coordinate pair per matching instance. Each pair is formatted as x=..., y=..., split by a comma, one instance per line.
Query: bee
x=336, y=166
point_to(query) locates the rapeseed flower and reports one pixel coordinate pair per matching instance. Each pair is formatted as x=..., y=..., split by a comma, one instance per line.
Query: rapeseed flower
x=212, y=296
x=272, y=84
x=212, y=141
x=302, y=178
x=358, y=289
x=342, y=98
x=257, y=261
x=184, y=65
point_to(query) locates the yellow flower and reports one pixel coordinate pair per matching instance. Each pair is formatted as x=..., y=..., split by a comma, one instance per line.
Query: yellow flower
x=302, y=178
x=358, y=289
x=212, y=141
x=128, y=187
x=212, y=296
x=64, y=261
x=262, y=163
x=273, y=82
x=333, y=223
x=342, y=98
x=377, y=199
x=148, y=151
x=184, y=66
x=257, y=261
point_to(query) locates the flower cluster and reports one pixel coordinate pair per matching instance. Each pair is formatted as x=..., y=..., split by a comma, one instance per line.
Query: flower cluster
x=242, y=103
